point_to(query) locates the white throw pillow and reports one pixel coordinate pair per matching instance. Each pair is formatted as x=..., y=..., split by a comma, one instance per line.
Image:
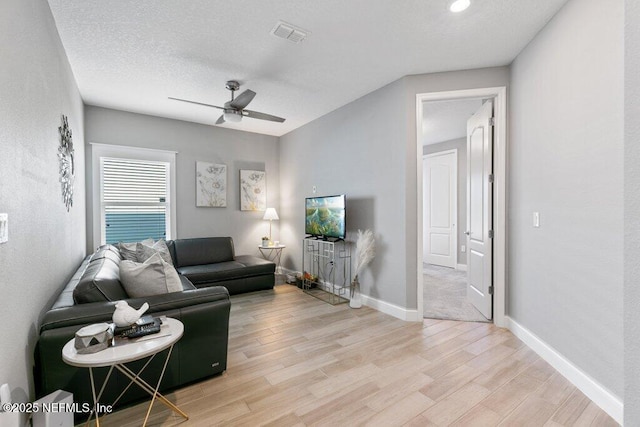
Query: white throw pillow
x=144, y=251
x=152, y=277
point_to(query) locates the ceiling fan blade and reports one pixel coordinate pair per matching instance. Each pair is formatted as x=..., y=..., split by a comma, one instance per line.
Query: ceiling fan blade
x=197, y=103
x=262, y=116
x=220, y=120
x=242, y=100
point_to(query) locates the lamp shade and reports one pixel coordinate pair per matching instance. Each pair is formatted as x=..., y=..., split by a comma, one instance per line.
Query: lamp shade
x=270, y=214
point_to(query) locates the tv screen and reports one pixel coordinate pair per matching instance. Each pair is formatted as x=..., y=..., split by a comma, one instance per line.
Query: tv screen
x=325, y=216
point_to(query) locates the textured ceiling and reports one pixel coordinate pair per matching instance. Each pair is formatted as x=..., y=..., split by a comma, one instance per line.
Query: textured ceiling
x=447, y=120
x=133, y=54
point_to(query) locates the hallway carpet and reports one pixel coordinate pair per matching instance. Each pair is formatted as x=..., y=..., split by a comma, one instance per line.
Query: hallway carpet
x=445, y=295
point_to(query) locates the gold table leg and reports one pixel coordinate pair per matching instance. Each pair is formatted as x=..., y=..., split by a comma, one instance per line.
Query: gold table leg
x=135, y=378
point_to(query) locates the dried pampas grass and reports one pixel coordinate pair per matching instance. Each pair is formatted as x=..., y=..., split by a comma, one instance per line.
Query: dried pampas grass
x=365, y=250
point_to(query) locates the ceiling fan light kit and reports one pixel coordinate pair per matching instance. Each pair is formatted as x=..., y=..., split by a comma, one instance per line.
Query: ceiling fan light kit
x=231, y=116
x=234, y=110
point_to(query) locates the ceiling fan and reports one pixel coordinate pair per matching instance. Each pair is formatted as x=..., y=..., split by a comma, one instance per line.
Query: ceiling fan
x=234, y=110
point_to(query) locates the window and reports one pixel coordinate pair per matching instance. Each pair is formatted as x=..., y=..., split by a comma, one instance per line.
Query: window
x=134, y=200
x=133, y=195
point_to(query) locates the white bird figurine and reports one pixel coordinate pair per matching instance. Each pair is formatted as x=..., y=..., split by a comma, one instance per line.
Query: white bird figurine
x=125, y=315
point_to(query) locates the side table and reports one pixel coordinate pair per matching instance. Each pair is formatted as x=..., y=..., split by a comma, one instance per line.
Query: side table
x=127, y=351
x=272, y=253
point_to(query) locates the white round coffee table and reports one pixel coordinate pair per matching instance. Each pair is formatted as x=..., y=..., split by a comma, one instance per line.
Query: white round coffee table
x=128, y=350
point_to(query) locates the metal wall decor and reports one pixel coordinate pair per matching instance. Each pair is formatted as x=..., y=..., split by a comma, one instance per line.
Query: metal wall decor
x=65, y=157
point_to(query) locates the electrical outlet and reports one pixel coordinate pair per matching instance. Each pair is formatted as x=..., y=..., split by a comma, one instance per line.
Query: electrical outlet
x=463, y=248
x=4, y=227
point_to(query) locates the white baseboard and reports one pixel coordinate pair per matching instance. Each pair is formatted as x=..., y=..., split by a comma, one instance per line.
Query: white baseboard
x=461, y=267
x=391, y=309
x=382, y=306
x=609, y=402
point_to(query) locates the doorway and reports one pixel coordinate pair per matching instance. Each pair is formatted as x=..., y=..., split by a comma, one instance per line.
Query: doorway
x=498, y=204
x=451, y=238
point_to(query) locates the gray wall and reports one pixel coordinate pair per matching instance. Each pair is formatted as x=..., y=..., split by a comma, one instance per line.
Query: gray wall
x=461, y=145
x=46, y=243
x=632, y=215
x=368, y=150
x=566, y=162
x=357, y=150
x=196, y=142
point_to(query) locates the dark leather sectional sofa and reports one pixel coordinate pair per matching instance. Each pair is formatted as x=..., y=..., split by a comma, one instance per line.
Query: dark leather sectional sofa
x=212, y=261
x=209, y=271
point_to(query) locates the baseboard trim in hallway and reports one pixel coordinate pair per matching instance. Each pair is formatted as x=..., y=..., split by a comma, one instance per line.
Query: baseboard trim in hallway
x=602, y=397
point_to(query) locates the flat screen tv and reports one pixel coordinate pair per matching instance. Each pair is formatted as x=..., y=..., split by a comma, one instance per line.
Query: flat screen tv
x=325, y=216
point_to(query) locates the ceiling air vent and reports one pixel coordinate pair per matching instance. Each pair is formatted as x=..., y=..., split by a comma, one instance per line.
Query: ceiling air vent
x=289, y=32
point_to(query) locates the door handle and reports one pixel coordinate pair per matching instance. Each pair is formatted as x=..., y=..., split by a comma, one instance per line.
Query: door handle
x=468, y=233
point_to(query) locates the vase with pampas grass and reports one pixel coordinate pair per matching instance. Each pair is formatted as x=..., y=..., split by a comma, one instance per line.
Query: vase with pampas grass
x=365, y=251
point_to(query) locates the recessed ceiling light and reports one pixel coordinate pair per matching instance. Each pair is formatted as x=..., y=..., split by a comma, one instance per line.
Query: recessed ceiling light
x=459, y=5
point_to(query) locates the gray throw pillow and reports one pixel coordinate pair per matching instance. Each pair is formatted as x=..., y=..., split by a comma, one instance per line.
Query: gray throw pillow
x=128, y=251
x=144, y=251
x=152, y=277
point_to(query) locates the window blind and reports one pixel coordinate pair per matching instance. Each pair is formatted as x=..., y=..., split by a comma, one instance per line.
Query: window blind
x=134, y=199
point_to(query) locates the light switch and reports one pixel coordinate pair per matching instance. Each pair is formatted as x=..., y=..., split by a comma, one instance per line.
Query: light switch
x=536, y=219
x=4, y=227
x=463, y=249
x=314, y=189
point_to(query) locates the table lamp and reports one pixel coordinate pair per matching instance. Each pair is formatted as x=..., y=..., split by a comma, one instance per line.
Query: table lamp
x=270, y=214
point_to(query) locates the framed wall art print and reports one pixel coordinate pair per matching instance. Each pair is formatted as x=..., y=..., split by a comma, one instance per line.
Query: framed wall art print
x=253, y=190
x=211, y=185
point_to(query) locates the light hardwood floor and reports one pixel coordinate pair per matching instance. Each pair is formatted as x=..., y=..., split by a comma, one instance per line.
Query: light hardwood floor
x=297, y=361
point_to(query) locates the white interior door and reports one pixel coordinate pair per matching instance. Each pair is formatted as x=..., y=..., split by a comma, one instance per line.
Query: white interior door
x=440, y=174
x=479, y=204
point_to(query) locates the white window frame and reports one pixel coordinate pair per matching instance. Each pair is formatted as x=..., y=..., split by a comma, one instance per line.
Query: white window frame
x=99, y=151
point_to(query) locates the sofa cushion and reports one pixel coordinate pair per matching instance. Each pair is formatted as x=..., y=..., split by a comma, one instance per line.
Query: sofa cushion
x=201, y=251
x=65, y=299
x=256, y=264
x=152, y=277
x=243, y=266
x=107, y=252
x=108, y=247
x=100, y=280
x=144, y=251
